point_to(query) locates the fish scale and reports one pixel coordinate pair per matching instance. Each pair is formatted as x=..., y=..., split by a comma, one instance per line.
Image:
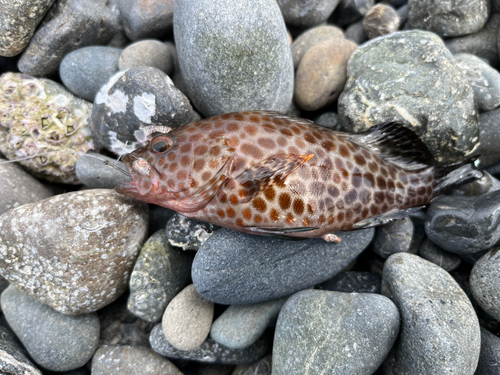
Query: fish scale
x=267, y=173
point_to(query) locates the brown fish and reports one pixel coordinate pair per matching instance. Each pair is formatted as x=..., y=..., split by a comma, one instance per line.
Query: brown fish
x=268, y=173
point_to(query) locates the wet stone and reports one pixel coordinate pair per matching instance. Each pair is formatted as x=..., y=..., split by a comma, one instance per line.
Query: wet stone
x=355, y=332
x=439, y=330
x=483, y=185
x=159, y=217
x=187, y=319
x=239, y=326
x=394, y=237
x=237, y=268
x=85, y=70
x=147, y=18
x=433, y=253
x=176, y=74
x=95, y=234
x=300, y=14
x=18, y=21
x=92, y=171
x=462, y=224
x=261, y=367
x=73, y=24
x=350, y=11
x=380, y=19
x=147, y=53
x=55, y=341
x=160, y=272
x=423, y=89
x=354, y=282
x=13, y=358
x=236, y=59
x=131, y=360
x=312, y=37
x=187, y=233
x=137, y=98
x=484, y=80
x=210, y=351
x=488, y=150
x=18, y=187
x=329, y=120
x=356, y=33
x=490, y=354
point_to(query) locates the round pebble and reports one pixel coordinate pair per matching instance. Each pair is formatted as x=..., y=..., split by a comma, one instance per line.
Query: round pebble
x=329, y=120
x=439, y=331
x=322, y=73
x=237, y=268
x=394, y=237
x=433, y=253
x=160, y=272
x=236, y=59
x=484, y=279
x=380, y=20
x=306, y=14
x=355, y=33
x=146, y=53
x=95, y=234
x=56, y=341
x=13, y=358
x=488, y=150
x=261, y=367
x=187, y=319
x=187, y=233
x=354, y=282
x=350, y=11
x=490, y=354
x=334, y=333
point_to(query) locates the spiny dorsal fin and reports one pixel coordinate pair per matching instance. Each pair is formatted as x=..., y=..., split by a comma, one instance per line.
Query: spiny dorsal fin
x=395, y=144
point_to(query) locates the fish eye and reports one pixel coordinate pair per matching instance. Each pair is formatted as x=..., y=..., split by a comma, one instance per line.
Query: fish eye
x=160, y=146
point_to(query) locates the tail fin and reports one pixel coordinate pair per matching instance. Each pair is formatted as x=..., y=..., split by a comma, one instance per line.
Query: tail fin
x=457, y=174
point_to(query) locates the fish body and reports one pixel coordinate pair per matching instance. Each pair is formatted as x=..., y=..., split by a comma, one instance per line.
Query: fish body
x=267, y=173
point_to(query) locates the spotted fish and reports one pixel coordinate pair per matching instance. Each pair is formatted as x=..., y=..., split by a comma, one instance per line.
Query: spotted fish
x=272, y=174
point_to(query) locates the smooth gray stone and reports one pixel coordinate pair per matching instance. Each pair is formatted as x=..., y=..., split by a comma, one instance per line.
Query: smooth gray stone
x=334, y=333
x=210, y=351
x=147, y=18
x=433, y=253
x=261, y=367
x=439, y=332
x=484, y=80
x=149, y=52
x=187, y=233
x=137, y=98
x=484, y=185
x=92, y=171
x=329, y=120
x=462, y=224
x=85, y=70
x=234, y=57
x=484, y=279
x=394, y=237
x=176, y=74
x=462, y=17
x=240, y=326
x=73, y=24
x=160, y=272
x=159, y=217
x=13, y=358
x=56, y=341
x=131, y=360
x=306, y=14
x=403, y=15
x=18, y=187
x=411, y=78
x=355, y=33
x=237, y=268
x=350, y=11
x=489, y=358
x=483, y=44
x=354, y=282
x=488, y=150
x=18, y=21
x=312, y=37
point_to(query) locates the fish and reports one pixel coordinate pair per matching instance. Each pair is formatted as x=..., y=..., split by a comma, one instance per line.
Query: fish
x=267, y=173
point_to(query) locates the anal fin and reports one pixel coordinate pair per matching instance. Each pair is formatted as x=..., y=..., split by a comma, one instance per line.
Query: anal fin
x=386, y=217
x=279, y=232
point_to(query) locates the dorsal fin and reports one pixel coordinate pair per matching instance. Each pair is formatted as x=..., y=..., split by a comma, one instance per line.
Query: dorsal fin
x=395, y=144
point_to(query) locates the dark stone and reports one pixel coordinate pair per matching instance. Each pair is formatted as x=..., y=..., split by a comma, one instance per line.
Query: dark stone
x=405, y=77
x=85, y=70
x=334, y=333
x=395, y=237
x=488, y=150
x=306, y=14
x=261, y=367
x=159, y=217
x=433, y=253
x=160, y=272
x=13, y=358
x=139, y=97
x=187, y=233
x=92, y=171
x=354, y=282
x=462, y=224
x=18, y=187
x=481, y=186
x=234, y=57
x=329, y=120
x=74, y=24
x=210, y=351
x=147, y=18
x=439, y=330
x=356, y=33
x=237, y=268
x=55, y=341
x=489, y=358
x=350, y=11
x=18, y=21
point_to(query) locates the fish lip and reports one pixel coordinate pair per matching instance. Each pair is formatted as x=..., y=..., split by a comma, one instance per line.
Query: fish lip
x=127, y=188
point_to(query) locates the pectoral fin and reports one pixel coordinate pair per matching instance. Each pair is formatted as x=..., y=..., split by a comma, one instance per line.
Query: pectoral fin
x=386, y=217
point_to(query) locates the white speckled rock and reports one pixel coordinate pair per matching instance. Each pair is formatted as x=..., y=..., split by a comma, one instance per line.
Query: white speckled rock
x=187, y=319
x=74, y=251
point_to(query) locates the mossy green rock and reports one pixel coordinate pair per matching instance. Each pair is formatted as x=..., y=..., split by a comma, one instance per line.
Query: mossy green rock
x=233, y=56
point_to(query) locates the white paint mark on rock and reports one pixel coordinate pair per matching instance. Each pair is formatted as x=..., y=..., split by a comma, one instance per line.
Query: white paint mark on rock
x=145, y=107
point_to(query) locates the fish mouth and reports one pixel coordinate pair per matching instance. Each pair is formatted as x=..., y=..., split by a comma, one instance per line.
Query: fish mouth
x=128, y=188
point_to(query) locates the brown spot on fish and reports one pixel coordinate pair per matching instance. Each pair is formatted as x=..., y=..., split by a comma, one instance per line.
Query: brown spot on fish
x=201, y=150
x=350, y=197
x=379, y=197
x=185, y=161
x=298, y=206
x=198, y=165
x=251, y=150
x=226, y=116
x=285, y=201
x=186, y=148
x=282, y=142
x=239, y=117
x=239, y=222
x=331, y=220
x=251, y=130
x=259, y=204
x=247, y=214
x=293, y=150
x=206, y=176
x=171, y=156
x=286, y=132
x=369, y=180
x=290, y=218
x=214, y=164
x=182, y=175
x=344, y=151
x=266, y=143
x=333, y=191
x=215, y=151
x=274, y=215
x=277, y=121
x=328, y=145
x=373, y=167
x=381, y=184
x=310, y=138
x=300, y=143
x=359, y=159
x=391, y=185
x=221, y=213
x=356, y=180
x=270, y=193
x=373, y=209
x=230, y=212
x=254, y=119
x=295, y=129
x=340, y=217
x=321, y=219
x=173, y=167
